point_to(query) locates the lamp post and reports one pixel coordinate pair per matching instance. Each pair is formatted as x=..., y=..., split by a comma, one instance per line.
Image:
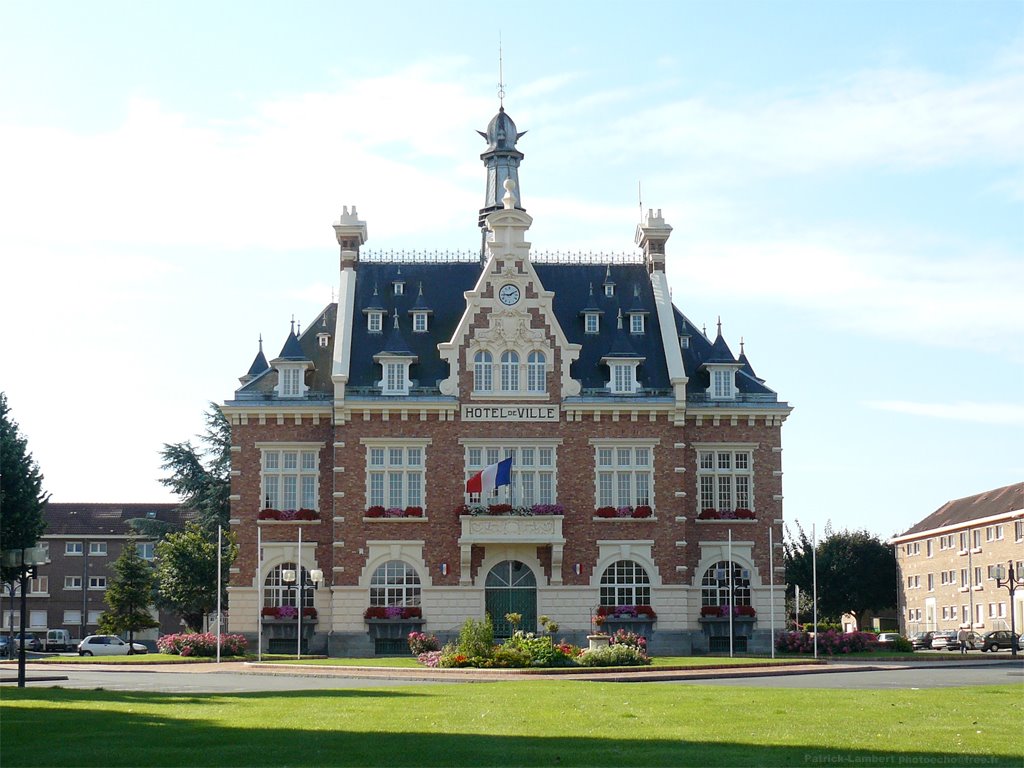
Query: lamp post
x=1006, y=577
x=25, y=560
x=309, y=580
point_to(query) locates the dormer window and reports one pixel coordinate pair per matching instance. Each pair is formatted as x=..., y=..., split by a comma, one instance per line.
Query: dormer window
x=289, y=382
x=399, y=287
x=394, y=373
x=375, y=322
x=609, y=290
x=622, y=378
x=636, y=323
x=592, y=322
x=723, y=383
x=419, y=322
x=684, y=342
x=323, y=339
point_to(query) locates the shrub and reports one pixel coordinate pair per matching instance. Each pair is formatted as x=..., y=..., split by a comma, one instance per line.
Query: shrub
x=632, y=639
x=613, y=656
x=201, y=644
x=421, y=643
x=476, y=638
x=830, y=642
x=540, y=651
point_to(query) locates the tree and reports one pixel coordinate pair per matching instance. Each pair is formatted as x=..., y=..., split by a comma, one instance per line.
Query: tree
x=201, y=475
x=187, y=572
x=856, y=571
x=129, y=595
x=21, y=491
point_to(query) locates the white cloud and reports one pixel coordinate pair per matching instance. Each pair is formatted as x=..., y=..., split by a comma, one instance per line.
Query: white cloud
x=1002, y=414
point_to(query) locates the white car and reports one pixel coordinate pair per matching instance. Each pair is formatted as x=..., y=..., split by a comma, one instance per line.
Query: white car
x=107, y=645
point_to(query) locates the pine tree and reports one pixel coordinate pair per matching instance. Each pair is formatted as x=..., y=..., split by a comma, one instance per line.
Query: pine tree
x=21, y=490
x=129, y=595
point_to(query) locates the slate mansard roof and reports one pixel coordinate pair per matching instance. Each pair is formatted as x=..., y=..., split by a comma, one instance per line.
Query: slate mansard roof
x=443, y=285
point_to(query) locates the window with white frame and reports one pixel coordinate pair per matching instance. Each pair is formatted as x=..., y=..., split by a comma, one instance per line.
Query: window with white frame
x=723, y=383
x=146, y=550
x=536, y=372
x=483, y=371
x=592, y=322
x=964, y=540
x=72, y=617
x=323, y=340
x=533, y=472
x=419, y=322
x=725, y=478
x=39, y=585
x=636, y=323
x=97, y=582
x=931, y=582
x=399, y=287
x=290, y=475
x=290, y=381
x=625, y=474
x=375, y=322
x=97, y=548
x=509, y=371
x=73, y=548
x=609, y=290
x=72, y=582
x=622, y=377
x=929, y=546
x=395, y=474
x=625, y=582
x=395, y=372
x=965, y=580
x=395, y=583
x=977, y=576
x=276, y=593
x=94, y=617
x=719, y=587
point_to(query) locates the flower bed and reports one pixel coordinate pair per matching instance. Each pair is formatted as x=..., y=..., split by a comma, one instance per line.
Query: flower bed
x=378, y=511
x=727, y=514
x=636, y=513
x=713, y=611
x=537, y=510
x=626, y=611
x=288, y=514
x=831, y=643
x=393, y=612
x=287, y=612
x=201, y=644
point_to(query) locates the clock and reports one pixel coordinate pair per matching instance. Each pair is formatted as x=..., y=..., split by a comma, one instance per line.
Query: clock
x=509, y=294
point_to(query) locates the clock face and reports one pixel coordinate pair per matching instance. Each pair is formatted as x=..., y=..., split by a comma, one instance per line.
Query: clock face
x=509, y=294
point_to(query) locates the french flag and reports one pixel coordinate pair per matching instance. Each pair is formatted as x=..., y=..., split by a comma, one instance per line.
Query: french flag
x=491, y=477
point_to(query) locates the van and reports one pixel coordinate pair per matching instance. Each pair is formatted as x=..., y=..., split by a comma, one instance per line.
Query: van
x=57, y=640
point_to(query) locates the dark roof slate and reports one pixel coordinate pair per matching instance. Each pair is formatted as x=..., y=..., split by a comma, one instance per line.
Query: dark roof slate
x=998, y=501
x=64, y=519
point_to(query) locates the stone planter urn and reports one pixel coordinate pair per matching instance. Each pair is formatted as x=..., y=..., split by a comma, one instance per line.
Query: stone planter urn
x=598, y=641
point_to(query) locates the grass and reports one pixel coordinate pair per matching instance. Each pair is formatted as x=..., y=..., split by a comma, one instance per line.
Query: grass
x=545, y=722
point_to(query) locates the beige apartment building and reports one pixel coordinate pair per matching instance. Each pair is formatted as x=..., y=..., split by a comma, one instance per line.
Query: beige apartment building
x=946, y=564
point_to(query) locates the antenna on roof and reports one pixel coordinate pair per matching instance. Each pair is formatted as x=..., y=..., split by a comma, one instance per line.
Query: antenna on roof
x=501, y=76
x=299, y=332
x=640, y=197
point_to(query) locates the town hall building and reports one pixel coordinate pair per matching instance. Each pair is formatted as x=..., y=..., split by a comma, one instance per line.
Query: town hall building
x=646, y=481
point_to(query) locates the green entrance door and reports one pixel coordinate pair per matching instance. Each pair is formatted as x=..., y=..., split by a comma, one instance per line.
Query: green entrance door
x=511, y=587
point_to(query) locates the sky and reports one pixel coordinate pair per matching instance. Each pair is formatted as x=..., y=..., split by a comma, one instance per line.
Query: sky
x=845, y=183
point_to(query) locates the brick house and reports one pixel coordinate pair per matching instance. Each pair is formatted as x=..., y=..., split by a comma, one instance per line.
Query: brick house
x=946, y=564
x=82, y=541
x=647, y=467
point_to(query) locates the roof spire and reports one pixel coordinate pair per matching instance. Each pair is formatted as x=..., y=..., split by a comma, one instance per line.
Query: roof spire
x=501, y=77
x=719, y=325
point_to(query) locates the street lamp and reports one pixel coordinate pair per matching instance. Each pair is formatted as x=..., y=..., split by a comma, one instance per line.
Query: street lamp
x=312, y=581
x=1006, y=577
x=25, y=560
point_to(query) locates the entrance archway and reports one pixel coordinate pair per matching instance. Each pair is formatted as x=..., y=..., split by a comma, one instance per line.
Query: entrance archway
x=511, y=587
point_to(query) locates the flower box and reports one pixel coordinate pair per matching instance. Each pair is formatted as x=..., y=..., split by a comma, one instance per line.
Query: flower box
x=507, y=510
x=722, y=611
x=288, y=613
x=392, y=513
x=393, y=612
x=627, y=612
x=738, y=514
x=288, y=515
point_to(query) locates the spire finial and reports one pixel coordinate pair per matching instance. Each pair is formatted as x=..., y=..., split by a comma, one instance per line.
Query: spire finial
x=293, y=324
x=395, y=325
x=741, y=346
x=501, y=77
x=719, y=325
x=261, y=342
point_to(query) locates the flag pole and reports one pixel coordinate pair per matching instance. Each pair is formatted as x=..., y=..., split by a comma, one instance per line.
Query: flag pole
x=771, y=584
x=732, y=593
x=814, y=570
x=259, y=594
x=219, y=588
x=300, y=583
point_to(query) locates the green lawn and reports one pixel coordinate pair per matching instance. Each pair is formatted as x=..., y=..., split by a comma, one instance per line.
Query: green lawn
x=660, y=661
x=547, y=722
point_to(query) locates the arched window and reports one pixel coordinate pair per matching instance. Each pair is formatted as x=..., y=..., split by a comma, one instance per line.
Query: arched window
x=509, y=371
x=715, y=586
x=535, y=380
x=395, y=583
x=625, y=582
x=482, y=373
x=276, y=593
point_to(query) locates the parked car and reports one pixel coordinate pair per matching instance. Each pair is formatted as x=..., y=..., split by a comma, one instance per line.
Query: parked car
x=5, y=646
x=888, y=639
x=947, y=641
x=30, y=641
x=1001, y=638
x=107, y=645
x=921, y=640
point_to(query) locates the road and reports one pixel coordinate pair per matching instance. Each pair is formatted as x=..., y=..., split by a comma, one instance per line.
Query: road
x=232, y=678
